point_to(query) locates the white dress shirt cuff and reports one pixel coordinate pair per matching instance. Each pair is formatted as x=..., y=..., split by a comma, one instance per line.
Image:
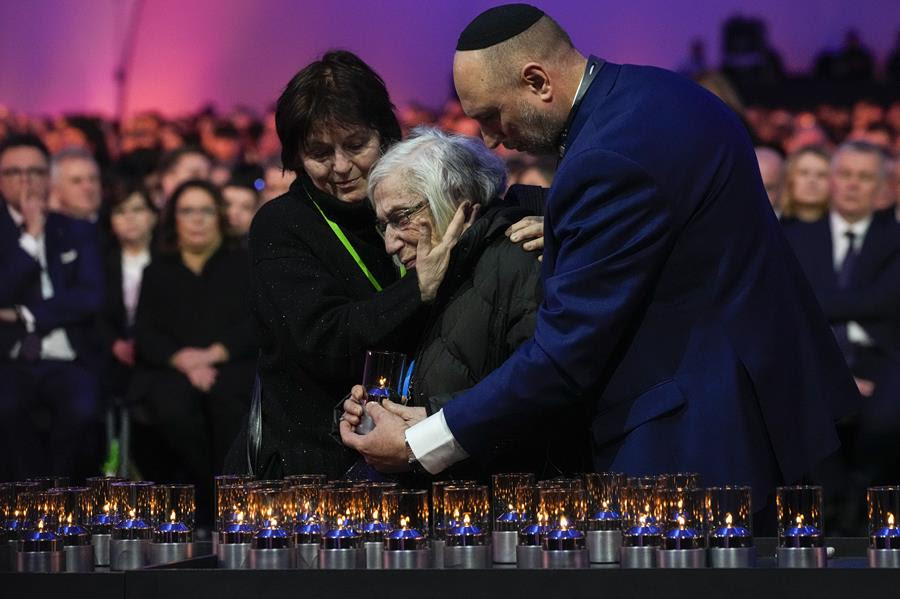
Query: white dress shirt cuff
x=433, y=444
x=31, y=245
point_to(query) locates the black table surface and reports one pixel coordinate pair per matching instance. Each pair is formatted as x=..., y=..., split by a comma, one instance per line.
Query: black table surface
x=847, y=576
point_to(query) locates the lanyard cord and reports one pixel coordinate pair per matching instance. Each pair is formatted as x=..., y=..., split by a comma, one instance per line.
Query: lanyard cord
x=349, y=246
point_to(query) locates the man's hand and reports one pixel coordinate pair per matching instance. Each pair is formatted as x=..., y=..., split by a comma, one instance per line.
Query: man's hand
x=866, y=388
x=123, y=350
x=202, y=377
x=530, y=232
x=432, y=261
x=385, y=447
x=34, y=212
x=353, y=405
x=8, y=315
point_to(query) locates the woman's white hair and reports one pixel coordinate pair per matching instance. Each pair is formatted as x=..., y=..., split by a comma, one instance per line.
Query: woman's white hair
x=444, y=169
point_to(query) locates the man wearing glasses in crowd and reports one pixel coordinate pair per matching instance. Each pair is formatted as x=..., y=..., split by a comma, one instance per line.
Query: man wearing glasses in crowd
x=51, y=291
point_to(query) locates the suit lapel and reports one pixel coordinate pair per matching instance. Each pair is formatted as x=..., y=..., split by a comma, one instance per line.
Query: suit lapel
x=868, y=253
x=823, y=256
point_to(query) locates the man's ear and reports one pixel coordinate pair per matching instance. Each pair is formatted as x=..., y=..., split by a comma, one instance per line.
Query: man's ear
x=534, y=76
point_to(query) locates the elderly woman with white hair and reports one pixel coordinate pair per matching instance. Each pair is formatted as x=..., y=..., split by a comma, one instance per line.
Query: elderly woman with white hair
x=486, y=305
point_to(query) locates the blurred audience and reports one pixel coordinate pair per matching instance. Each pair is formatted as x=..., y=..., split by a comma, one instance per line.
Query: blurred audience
x=178, y=166
x=75, y=184
x=51, y=292
x=806, y=189
x=241, y=204
x=195, y=345
x=771, y=169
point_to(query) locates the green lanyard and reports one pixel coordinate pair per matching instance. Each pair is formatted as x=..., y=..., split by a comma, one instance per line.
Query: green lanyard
x=351, y=250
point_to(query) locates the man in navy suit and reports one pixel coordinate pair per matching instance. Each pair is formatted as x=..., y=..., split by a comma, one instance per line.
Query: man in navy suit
x=672, y=302
x=51, y=291
x=852, y=258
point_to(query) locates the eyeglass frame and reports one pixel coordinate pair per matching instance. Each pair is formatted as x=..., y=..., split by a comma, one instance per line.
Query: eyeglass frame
x=401, y=219
x=32, y=172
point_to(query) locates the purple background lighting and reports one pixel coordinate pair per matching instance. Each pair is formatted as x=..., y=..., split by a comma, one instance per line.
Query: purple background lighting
x=61, y=55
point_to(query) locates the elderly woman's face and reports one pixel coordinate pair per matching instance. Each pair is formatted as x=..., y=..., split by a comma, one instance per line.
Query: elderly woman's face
x=338, y=161
x=197, y=221
x=402, y=215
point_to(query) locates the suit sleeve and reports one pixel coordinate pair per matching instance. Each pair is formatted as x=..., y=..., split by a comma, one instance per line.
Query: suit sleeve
x=876, y=301
x=612, y=234
x=18, y=270
x=84, y=298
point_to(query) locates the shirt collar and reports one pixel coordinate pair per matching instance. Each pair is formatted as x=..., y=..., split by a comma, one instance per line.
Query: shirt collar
x=840, y=226
x=15, y=215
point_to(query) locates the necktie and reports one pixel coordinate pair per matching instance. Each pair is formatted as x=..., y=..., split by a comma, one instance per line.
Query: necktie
x=844, y=276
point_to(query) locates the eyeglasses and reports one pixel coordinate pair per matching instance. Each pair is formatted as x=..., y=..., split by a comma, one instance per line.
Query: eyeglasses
x=32, y=172
x=187, y=212
x=401, y=219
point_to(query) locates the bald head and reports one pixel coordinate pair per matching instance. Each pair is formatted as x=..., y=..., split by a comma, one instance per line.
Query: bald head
x=520, y=89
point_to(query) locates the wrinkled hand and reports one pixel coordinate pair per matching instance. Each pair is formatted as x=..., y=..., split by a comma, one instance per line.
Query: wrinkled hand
x=202, y=377
x=530, y=232
x=866, y=387
x=432, y=261
x=385, y=447
x=123, y=350
x=353, y=405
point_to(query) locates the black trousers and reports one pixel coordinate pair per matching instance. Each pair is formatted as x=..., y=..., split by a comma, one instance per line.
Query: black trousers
x=49, y=420
x=188, y=432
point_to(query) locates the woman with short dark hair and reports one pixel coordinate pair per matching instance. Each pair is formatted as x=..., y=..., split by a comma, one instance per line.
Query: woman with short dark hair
x=195, y=342
x=323, y=288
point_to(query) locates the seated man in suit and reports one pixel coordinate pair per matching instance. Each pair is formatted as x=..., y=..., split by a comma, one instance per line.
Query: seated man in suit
x=852, y=258
x=50, y=295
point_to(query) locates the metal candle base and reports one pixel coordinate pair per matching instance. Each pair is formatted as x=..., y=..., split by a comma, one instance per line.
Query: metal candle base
x=604, y=546
x=503, y=546
x=127, y=554
x=284, y=558
x=639, y=557
x=406, y=559
x=342, y=559
x=565, y=559
x=79, y=558
x=802, y=557
x=437, y=553
x=166, y=553
x=374, y=558
x=101, y=549
x=736, y=557
x=40, y=561
x=884, y=558
x=467, y=557
x=529, y=557
x=308, y=556
x=681, y=558
x=233, y=556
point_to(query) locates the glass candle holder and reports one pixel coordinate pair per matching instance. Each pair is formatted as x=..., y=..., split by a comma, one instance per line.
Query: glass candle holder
x=467, y=515
x=232, y=481
x=173, y=514
x=7, y=505
x=884, y=510
x=603, y=492
x=383, y=374
x=799, y=511
x=307, y=513
x=133, y=510
x=343, y=507
x=293, y=480
x=641, y=514
x=729, y=511
x=102, y=503
x=679, y=480
x=270, y=514
x=563, y=482
x=373, y=494
x=562, y=502
x=75, y=516
x=231, y=501
x=685, y=518
x=48, y=507
x=438, y=517
x=49, y=482
x=509, y=501
x=658, y=481
x=406, y=515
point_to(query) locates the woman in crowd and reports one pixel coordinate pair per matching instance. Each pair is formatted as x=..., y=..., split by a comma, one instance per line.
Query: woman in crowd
x=195, y=342
x=487, y=303
x=132, y=218
x=806, y=185
x=323, y=289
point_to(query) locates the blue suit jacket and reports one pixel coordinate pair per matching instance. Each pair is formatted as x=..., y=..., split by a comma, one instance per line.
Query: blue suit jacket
x=873, y=297
x=76, y=272
x=674, y=309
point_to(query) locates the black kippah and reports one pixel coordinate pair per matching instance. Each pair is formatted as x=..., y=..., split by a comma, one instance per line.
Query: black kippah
x=497, y=25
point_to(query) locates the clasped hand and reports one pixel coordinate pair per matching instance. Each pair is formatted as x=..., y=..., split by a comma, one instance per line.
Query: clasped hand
x=384, y=448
